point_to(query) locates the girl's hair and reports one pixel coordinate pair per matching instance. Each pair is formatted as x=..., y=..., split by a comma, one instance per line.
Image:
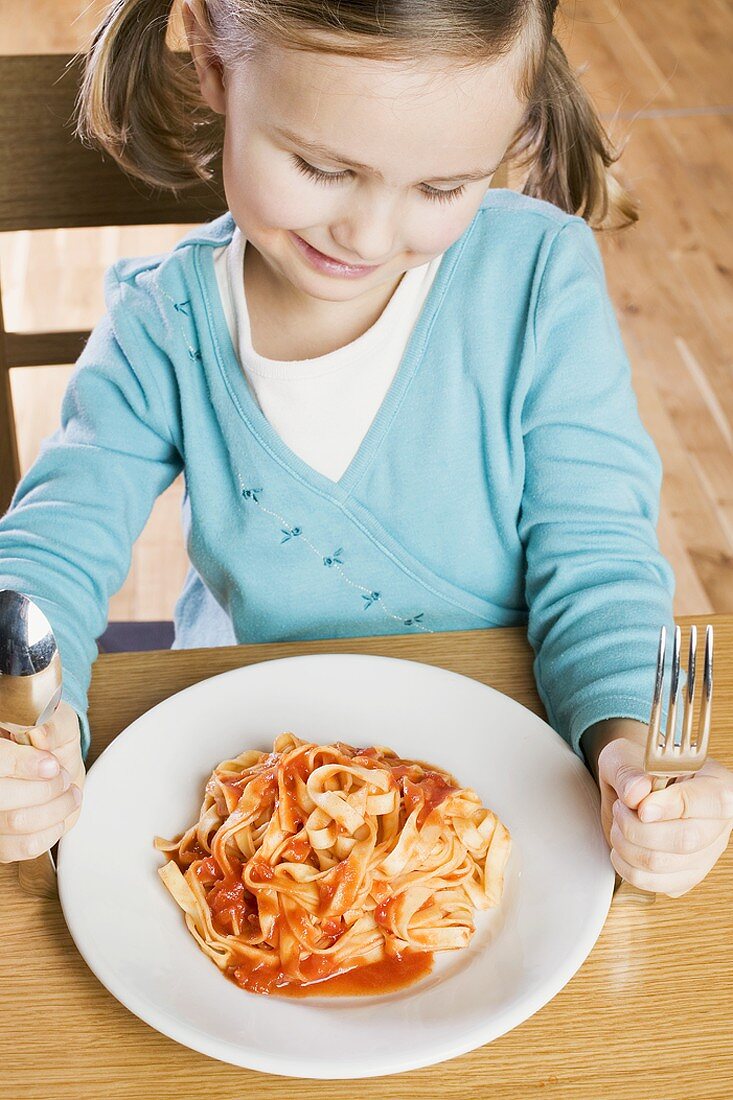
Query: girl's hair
x=140, y=101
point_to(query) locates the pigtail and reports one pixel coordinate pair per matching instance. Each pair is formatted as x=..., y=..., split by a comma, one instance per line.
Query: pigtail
x=567, y=150
x=140, y=102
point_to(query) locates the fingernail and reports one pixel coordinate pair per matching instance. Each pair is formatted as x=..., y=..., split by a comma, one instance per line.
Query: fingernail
x=651, y=813
x=76, y=795
x=48, y=767
x=66, y=779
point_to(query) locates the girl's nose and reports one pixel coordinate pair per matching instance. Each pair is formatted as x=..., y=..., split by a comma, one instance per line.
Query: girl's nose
x=365, y=233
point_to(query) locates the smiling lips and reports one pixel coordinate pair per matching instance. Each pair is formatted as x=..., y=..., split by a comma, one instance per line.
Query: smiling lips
x=328, y=265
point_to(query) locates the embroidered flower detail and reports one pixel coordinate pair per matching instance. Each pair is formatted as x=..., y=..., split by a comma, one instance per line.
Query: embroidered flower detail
x=194, y=353
x=415, y=619
x=370, y=599
x=181, y=307
x=291, y=534
x=251, y=494
x=334, y=558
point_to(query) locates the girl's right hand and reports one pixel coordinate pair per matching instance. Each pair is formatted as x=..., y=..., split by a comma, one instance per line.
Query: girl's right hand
x=37, y=807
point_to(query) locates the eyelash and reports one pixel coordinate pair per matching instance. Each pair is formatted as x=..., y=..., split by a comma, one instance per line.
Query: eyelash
x=335, y=177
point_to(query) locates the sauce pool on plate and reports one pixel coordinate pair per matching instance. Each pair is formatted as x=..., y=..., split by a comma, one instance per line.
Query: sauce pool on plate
x=386, y=976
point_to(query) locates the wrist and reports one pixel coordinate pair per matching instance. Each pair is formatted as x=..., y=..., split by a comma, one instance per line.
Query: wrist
x=600, y=734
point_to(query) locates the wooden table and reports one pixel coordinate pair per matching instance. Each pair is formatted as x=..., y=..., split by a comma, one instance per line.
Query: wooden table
x=649, y=1016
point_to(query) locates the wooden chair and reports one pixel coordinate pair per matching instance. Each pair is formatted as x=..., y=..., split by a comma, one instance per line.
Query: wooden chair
x=49, y=180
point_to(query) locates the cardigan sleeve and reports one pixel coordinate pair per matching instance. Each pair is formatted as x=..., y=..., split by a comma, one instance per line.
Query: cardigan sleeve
x=66, y=540
x=597, y=587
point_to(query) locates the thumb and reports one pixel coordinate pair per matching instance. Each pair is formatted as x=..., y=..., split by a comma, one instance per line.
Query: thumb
x=59, y=732
x=621, y=766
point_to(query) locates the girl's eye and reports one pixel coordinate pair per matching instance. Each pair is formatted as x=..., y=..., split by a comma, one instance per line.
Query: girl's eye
x=317, y=173
x=444, y=196
x=432, y=193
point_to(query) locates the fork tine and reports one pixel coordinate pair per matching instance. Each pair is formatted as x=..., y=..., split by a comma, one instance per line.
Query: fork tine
x=669, y=735
x=656, y=711
x=690, y=693
x=703, y=733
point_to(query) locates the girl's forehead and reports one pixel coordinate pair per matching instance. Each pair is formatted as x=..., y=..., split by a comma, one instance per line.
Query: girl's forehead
x=346, y=99
x=411, y=80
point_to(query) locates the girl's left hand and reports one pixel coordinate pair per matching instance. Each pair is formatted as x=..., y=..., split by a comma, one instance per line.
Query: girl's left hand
x=663, y=841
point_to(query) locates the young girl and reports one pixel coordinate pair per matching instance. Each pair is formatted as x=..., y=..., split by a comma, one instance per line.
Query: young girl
x=399, y=398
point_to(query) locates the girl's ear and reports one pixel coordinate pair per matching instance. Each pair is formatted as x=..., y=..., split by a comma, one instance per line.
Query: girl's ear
x=208, y=66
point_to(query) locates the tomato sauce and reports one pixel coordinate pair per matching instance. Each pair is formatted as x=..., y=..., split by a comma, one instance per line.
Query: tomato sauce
x=427, y=790
x=297, y=849
x=233, y=907
x=386, y=976
x=336, y=890
x=208, y=871
x=189, y=856
x=381, y=911
x=260, y=871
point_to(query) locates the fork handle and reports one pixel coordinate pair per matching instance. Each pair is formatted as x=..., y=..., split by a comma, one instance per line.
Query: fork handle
x=659, y=782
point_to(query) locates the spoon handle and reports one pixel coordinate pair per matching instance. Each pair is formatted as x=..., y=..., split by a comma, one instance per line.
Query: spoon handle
x=35, y=876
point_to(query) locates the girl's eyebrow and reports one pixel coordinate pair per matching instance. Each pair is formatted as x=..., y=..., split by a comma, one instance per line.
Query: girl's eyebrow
x=323, y=150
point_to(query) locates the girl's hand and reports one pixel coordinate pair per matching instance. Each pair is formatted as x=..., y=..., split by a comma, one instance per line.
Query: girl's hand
x=662, y=841
x=37, y=809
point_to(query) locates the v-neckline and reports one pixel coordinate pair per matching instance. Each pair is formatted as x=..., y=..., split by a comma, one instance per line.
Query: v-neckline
x=250, y=411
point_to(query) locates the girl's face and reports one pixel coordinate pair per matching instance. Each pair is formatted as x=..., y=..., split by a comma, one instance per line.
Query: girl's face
x=343, y=173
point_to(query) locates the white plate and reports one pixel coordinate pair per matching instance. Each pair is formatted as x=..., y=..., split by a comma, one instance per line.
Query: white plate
x=150, y=781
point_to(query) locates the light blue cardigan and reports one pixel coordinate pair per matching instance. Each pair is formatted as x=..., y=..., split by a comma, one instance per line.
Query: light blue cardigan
x=506, y=478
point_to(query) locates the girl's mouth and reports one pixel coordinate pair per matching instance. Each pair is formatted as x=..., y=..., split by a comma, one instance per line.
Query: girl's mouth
x=327, y=264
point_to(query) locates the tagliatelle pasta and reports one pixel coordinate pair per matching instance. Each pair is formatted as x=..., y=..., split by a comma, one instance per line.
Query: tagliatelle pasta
x=315, y=861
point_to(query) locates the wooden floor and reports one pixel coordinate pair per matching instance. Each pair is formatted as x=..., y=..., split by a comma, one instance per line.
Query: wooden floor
x=661, y=73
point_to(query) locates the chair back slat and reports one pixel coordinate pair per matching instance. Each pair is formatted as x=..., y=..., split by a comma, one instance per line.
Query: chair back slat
x=42, y=349
x=49, y=180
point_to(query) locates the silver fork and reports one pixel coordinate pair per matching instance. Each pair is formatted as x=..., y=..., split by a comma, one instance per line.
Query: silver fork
x=665, y=759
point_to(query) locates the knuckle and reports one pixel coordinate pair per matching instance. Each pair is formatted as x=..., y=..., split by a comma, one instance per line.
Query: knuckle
x=10, y=759
x=690, y=839
x=659, y=862
x=648, y=859
x=17, y=821
x=684, y=793
x=20, y=761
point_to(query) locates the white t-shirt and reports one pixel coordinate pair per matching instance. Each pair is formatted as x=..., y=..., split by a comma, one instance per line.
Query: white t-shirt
x=322, y=408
